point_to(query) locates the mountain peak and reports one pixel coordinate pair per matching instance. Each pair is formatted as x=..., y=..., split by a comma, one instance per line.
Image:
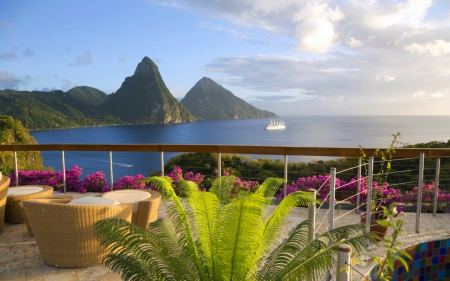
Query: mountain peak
x=146, y=67
x=208, y=100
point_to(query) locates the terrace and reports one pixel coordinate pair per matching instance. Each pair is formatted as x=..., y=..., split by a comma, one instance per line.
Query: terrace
x=20, y=256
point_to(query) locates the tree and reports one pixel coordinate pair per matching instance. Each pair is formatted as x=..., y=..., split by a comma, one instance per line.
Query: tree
x=12, y=132
x=210, y=236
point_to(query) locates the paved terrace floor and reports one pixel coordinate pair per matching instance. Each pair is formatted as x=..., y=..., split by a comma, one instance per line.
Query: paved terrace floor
x=19, y=254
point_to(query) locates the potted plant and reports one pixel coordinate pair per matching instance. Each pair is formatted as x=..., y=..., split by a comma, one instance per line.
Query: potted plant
x=382, y=195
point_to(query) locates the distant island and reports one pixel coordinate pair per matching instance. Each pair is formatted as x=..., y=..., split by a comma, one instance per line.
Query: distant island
x=143, y=98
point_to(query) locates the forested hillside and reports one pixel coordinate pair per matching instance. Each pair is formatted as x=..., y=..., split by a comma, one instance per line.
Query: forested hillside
x=259, y=169
x=12, y=132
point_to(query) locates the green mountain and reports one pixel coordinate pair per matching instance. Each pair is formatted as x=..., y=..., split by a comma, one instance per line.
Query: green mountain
x=87, y=95
x=209, y=101
x=50, y=110
x=144, y=98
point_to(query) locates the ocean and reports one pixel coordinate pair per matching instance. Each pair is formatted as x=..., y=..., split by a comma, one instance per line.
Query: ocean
x=319, y=131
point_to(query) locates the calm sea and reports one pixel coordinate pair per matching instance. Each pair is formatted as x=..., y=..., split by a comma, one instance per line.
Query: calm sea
x=324, y=131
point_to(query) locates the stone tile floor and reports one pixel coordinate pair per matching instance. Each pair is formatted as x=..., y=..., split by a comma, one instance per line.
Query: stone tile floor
x=19, y=254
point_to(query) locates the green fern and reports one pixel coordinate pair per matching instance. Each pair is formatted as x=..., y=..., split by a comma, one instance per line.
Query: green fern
x=210, y=236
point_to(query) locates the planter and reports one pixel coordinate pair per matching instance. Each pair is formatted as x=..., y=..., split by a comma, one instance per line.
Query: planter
x=379, y=230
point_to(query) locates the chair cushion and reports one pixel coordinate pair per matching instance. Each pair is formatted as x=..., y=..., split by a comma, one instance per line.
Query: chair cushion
x=14, y=191
x=92, y=200
x=128, y=197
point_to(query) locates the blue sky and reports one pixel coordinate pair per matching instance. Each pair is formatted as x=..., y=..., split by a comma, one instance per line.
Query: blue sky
x=291, y=57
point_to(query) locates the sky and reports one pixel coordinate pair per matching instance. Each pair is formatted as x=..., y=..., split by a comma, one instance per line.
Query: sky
x=291, y=57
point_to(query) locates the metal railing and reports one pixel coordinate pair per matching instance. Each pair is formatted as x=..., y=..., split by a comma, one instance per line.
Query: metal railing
x=344, y=251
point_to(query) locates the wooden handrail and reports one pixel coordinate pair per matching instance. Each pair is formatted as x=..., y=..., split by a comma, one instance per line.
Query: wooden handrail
x=233, y=149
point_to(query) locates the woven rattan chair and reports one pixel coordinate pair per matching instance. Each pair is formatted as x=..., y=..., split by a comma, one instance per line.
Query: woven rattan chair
x=4, y=183
x=64, y=232
x=144, y=211
x=12, y=210
x=55, y=199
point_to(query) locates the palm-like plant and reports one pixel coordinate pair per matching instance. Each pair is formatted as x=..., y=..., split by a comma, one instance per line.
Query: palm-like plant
x=210, y=236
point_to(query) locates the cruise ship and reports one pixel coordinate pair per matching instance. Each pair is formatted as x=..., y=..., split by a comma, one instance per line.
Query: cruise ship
x=276, y=124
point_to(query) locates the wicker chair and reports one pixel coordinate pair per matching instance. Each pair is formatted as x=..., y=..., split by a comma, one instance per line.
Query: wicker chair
x=55, y=199
x=64, y=233
x=4, y=183
x=12, y=210
x=144, y=211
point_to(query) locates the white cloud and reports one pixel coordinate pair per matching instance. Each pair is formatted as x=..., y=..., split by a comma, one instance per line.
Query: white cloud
x=66, y=85
x=381, y=15
x=423, y=94
x=9, y=80
x=84, y=59
x=352, y=42
x=437, y=95
x=28, y=52
x=8, y=56
x=436, y=49
x=418, y=94
x=315, y=31
x=386, y=77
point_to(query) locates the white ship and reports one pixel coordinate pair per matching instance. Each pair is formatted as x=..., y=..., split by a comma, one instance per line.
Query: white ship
x=276, y=124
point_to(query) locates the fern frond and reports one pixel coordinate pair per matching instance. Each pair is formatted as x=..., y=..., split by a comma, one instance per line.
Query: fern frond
x=153, y=251
x=205, y=207
x=221, y=187
x=238, y=236
x=285, y=252
x=320, y=255
x=269, y=187
x=180, y=220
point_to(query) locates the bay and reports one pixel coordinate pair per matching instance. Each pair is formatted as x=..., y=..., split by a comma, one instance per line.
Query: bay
x=318, y=131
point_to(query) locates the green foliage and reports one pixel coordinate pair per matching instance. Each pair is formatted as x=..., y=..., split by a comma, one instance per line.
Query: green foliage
x=87, y=95
x=259, y=169
x=249, y=168
x=51, y=110
x=209, y=237
x=208, y=100
x=12, y=132
x=385, y=163
x=385, y=266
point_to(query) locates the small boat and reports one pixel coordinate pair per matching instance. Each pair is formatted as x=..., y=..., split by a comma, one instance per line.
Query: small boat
x=276, y=124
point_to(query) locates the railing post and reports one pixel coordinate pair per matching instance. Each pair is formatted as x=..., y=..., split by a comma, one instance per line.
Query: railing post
x=419, y=194
x=16, y=167
x=344, y=270
x=219, y=165
x=332, y=196
x=162, y=163
x=436, y=185
x=312, y=216
x=63, y=170
x=369, y=195
x=358, y=186
x=111, y=177
x=285, y=174
x=312, y=219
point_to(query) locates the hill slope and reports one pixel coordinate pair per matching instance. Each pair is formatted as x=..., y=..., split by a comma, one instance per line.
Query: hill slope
x=88, y=95
x=49, y=110
x=209, y=101
x=12, y=132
